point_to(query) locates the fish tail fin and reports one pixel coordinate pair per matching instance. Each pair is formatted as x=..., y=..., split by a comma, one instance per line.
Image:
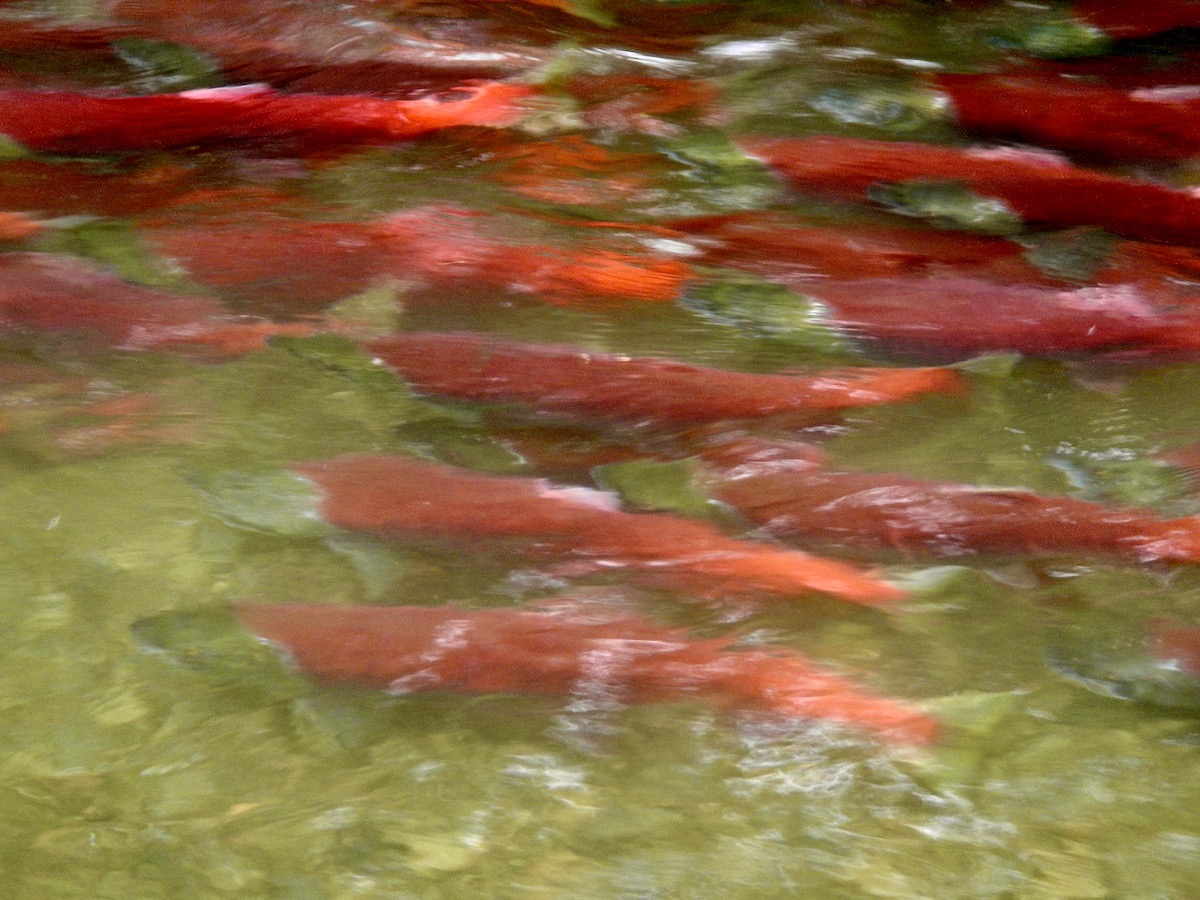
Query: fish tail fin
x=608, y=274
x=791, y=685
x=778, y=571
x=1174, y=540
x=488, y=103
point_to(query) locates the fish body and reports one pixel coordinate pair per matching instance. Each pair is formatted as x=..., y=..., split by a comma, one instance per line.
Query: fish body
x=76, y=123
x=47, y=293
x=300, y=265
x=1126, y=19
x=771, y=246
x=653, y=391
x=1075, y=116
x=564, y=651
x=404, y=498
x=798, y=499
x=959, y=315
x=1038, y=186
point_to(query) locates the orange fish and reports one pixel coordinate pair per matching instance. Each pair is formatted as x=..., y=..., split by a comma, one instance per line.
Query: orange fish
x=298, y=265
x=568, y=649
x=640, y=390
x=404, y=498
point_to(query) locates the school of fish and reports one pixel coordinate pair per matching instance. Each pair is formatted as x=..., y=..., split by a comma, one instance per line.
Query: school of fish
x=1077, y=147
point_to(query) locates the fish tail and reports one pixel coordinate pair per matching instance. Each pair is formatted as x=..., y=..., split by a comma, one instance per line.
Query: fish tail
x=610, y=274
x=778, y=571
x=1175, y=540
x=489, y=103
x=791, y=685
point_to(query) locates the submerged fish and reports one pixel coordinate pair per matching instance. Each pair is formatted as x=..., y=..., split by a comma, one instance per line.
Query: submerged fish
x=402, y=498
x=1128, y=19
x=45, y=293
x=1156, y=663
x=1039, y=187
x=792, y=495
x=74, y=188
x=42, y=35
x=304, y=263
x=956, y=316
x=1177, y=646
x=83, y=123
x=1076, y=116
x=774, y=246
x=660, y=392
x=565, y=650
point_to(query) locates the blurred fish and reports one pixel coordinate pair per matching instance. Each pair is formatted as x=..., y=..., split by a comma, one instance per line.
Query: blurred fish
x=1077, y=116
x=792, y=495
x=45, y=293
x=955, y=316
x=569, y=648
x=1128, y=19
x=300, y=264
x=640, y=390
x=1035, y=187
x=407, y=499
x=249, y=115
x=1156, y=663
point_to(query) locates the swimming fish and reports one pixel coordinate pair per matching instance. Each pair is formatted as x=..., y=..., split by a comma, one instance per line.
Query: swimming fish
x=773, y=246
x=566, y=649
x=75, y=123
x=300, y=264
x=955, y=316
x=794, y=496
x=1077, y=116
x=1037, y=186
x=641, y=390
x=48, y=293
x=1176, y=645
x=1128, y=19
x=407, y=499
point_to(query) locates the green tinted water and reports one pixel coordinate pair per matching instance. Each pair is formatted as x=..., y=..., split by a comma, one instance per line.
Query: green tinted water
x=126, y=773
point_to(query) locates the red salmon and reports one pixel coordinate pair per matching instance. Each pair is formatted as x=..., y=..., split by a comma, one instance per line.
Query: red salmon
x=81, y=123
x=406, y=498
x=791, y=496
x=641, y=390
x=566, y=651
x=1038, y=186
